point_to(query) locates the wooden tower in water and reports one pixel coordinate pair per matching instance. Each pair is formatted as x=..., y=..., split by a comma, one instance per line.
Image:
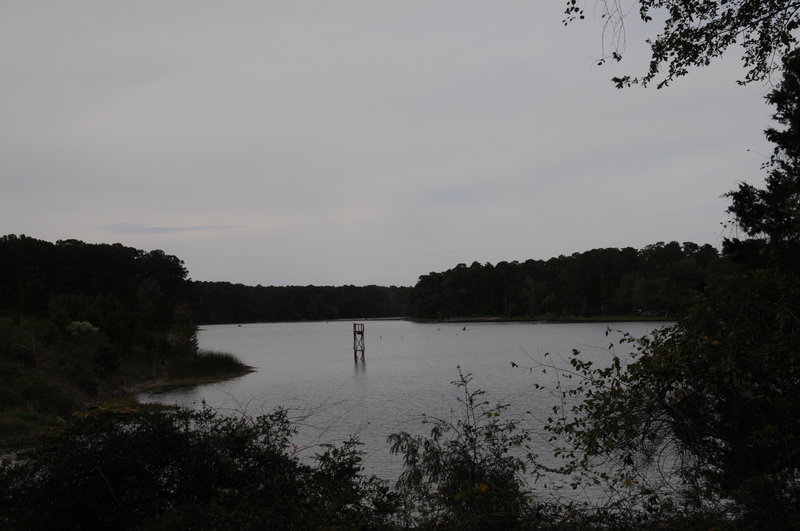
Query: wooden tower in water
x=358, y=340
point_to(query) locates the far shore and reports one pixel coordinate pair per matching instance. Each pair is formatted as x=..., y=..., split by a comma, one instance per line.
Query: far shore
x=493, y=319
x=554, y=320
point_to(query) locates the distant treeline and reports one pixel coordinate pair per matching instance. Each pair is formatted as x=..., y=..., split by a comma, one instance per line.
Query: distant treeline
x=655, y=281
x=223, y=302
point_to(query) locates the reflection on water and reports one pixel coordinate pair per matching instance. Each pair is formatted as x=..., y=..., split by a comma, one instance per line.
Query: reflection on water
x=361, y=366
x=305, y=368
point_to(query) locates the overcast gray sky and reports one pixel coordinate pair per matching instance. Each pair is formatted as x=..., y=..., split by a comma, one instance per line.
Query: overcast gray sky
x=355, y=142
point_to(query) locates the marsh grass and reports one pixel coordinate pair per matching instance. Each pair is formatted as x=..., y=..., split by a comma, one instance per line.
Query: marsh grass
x=209, y=364
x=20, y=428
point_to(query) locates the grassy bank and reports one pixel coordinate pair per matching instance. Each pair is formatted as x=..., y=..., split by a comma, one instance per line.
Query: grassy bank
x=208, y=364
x=40, y=400
x=207, y=367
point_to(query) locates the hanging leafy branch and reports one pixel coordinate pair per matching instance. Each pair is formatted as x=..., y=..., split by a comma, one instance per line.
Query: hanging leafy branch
x=695, y=32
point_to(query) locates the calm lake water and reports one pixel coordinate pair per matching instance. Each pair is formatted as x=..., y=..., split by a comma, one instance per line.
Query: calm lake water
x=309, y=369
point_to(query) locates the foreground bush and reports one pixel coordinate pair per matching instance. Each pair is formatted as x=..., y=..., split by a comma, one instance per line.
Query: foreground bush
x=468, y=474
x=123, y=468
x=180, y=469
x=163, y=469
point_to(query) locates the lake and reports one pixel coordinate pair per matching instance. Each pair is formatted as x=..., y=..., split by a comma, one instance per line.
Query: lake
x=309, y=369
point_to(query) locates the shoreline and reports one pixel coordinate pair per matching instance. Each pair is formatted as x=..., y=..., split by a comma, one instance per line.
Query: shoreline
x=125, y=396
x=163, y=384
x=565, y=319
x=538, y=319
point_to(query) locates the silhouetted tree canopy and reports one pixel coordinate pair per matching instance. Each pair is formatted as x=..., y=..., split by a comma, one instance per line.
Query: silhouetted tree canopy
x=772, y=213
x=79, y=320
x=656, y=281
x=224, y=302
x=718, y=394
x=695, y=32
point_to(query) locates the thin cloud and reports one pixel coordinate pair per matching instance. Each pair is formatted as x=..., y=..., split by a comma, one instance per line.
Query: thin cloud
x=136, y=228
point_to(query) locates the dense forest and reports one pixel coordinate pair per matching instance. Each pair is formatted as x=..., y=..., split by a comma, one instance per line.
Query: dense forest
x=655, y=281
x=130, y=293
x=80, y=321
x=224, y=302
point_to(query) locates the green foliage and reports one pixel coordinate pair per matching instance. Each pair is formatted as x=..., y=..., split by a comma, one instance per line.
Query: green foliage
x=36, y=270
x=706, y=419
x=123, y=469
x=16, y=425
x=79, y=321
x=468, y=473
x=655, y=281
x=27, y=390
x=223, y=302
x=771, y=214
x=207, y=364
x=694, y=32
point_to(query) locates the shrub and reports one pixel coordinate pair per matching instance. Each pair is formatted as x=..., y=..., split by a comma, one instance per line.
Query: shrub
x=467, y=473
x=120, y=468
